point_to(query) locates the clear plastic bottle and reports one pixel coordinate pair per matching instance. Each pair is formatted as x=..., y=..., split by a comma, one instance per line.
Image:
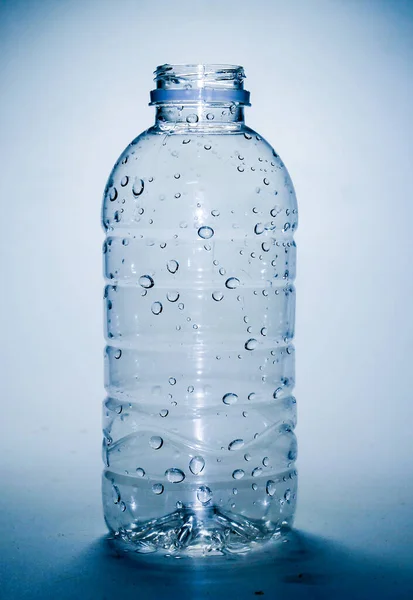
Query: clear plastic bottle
x=199, y=260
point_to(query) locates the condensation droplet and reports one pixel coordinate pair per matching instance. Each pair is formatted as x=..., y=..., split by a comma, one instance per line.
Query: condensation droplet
x=265, y=246
x=146, y=281
x=197, y=465
x=172, y=266
x=164, y=413
x=207, y=146
x=115, y=494
x=179, y=505
x=251, y=344
x=138, y=187
x=230, y=398
x=156, y=308
x=236, y=445
x=232, y=283
x=244, y=413
x=174, y=475
x=157, y=488
x=177, y=195
x=254, y=487
x=240, y=168
x=277, y=393
x=140, y=472
x=251, y=396
x=287, y=495
x=259, y=228
x=210, y=116
x=193, y=118
x=205, y=232
x=286, y=226
x=238, y=474
x=266, y=181
x=124, y=181
x=270, y=487
x=181, y=306
x=172, y=296
x=217, y=296
x=117, y=216
x=234, y=491
x=113, y=194
x=215, y=213
x=265, y=461
x=247, y=456
x=177, y=175
x=172, y=380
x=264, y=331
x=204, y=494
x=190, y=388
x=156, y=442
x=118, y=354
x=186, y=141
x=247, y=136
x=256, y=472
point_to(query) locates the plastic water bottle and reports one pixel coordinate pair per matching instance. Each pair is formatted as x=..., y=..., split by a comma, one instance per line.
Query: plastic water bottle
x=199, y=259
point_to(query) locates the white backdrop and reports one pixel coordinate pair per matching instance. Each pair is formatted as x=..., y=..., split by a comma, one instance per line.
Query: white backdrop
x=332, y=89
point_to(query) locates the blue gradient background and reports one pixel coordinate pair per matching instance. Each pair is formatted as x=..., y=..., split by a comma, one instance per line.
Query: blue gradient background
x=332, y=90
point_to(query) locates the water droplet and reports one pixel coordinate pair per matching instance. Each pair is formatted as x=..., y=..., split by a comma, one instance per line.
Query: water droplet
x=254, y=487
x=179, y=505
x=244, y=413
x=286, y=226
x=259, y=228
x=146, y=281
x=270, y=487
x=115, y=494
x=265, y=461
x=265, y=246
x=232, y=283
x=247, y=136
x=277, y=393
x=238, y=474
x=177, y=175
x=194, y=326
x=251, y=344
x=222, y=271
x=113, y=194
x=118, y=354
x=266, y=181
x=197, y=465
x=193, y=118
x=190, y=389
x=186, y=141
x=156, y=308
x=172, y=380
x=210, y=116
x=287, y=495
x=235, y=445
x=275, y=211
x=264, y=331
x=207, y=146
x=205, y=232
x=156, y=442
x=204, y=494
x=207, y=247
x=174, y=475
x=240, y=168
x=140, y=472
x=138, y=187
x=124, y=181
x=181, y=306
x=183, y=224
x=247, y=456
x=172, y=266
x=164, y=413
x=117, y=216
x=215, y=213
x=177, y=195
x=251, y=396
x=256, y=472
x=172, y=296
x=217, y=296
x=157, y=488
x=230, y=398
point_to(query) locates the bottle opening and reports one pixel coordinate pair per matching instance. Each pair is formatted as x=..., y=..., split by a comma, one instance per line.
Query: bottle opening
x=209, y=83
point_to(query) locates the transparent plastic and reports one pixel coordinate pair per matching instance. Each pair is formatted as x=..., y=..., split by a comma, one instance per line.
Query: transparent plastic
x=199, y=260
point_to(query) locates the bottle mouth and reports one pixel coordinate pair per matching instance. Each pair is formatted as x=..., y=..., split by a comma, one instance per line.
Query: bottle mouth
x=194, y=83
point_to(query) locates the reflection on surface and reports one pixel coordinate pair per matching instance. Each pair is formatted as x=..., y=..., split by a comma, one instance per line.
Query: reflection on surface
x=305, y=567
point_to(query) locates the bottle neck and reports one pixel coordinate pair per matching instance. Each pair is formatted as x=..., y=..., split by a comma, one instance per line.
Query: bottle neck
x=199, y=115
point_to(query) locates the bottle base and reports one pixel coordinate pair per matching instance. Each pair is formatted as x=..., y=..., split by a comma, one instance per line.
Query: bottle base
x=204, y=532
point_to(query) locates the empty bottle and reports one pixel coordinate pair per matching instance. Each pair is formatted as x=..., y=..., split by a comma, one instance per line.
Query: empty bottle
x=199, y=259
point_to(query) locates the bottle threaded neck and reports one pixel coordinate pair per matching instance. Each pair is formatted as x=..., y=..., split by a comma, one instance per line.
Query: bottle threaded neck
x=189, y=84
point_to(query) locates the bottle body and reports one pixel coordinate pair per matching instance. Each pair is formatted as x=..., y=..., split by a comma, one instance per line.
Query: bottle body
x=199, y=260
